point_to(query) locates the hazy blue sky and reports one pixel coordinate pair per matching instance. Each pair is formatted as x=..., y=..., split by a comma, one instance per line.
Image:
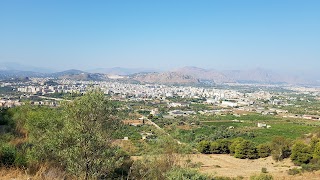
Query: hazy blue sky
x=225, y=34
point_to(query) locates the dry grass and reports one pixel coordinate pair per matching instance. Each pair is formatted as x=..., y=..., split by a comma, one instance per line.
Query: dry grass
x=185, y=127
x=217, y=165
x=49, y=173
x=43, y=173
x=12, y=173
x=228, y=166
x=304, y=176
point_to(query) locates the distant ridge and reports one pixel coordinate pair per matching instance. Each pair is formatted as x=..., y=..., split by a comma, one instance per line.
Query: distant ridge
x=166, y=78
x=204, y=74
x=67, y=72
x=185, y=75
x=78, y=75
x=12, y=66
x=5, y=74
x=197, y=75
x=121, y=71
x=259, y=75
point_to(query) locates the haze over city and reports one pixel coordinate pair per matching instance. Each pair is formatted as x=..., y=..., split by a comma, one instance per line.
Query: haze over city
x=223, y=35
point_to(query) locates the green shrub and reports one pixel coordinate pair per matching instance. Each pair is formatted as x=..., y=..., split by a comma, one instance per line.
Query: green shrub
x=264, y=170
x=280, y=148
x=204, y=147
x=21, y=160
x=313, y=143
x=311, y=167
x=316, y=151
x=294, y=171
x=7, y=155
x=301, y=153
x=264, y=150
x=234, y=144
x=261, y=177
x=220, y=146
x=224, y=145
x=182, y=173
x=214, y=147
x=246, y=149
x=228, y=178
x=222, y=178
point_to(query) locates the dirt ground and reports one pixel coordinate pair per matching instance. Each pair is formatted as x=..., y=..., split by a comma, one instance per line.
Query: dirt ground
x=217, y=165
x=226, y=165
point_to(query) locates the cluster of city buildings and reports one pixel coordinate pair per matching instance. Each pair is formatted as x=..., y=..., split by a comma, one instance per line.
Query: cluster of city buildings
x=141, y=91
x=226, y=98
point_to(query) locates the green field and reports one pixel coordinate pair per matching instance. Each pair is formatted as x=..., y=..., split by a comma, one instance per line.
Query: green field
x=249, y=117
x=288, y=130
x=216, y=127
x=230, y=123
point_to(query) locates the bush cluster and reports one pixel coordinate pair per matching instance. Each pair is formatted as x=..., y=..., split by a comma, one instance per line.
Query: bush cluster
x=10, y=156
x=239, y=148
x=262, y=177
x=279, y=148
x=307, y=155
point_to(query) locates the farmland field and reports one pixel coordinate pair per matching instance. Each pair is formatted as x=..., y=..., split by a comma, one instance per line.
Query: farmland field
x=230, y=126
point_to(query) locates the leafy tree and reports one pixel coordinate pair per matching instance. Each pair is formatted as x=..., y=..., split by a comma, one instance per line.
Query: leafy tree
x=224, y=146
x=234, y=144
x=214, y=147
x=204, y=147
x=86, y=143
x=316, y=152
x=313, y=143
x=19, y=117
x=4, y=117
x=246, y=149
x=78, y=137
x=280, y=148
x=301, y=153
x=220, y=146
x=43, y=125
x=264, y=150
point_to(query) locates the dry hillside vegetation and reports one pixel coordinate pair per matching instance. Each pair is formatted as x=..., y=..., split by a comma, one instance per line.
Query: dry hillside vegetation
x=226, y=165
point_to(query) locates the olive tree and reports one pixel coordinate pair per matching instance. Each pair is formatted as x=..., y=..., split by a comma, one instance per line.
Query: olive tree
x=78, y=136
x=246, y=149
x=301, y=153
x=86, y=137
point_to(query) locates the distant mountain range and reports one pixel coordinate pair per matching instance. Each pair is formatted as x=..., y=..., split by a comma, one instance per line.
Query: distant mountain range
x=204, y=74
x=165, y=78
x=5, y=74
x=121, y=71
x=11, y=66
x=260, y=75
x=195, y=75
x=185, y=75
